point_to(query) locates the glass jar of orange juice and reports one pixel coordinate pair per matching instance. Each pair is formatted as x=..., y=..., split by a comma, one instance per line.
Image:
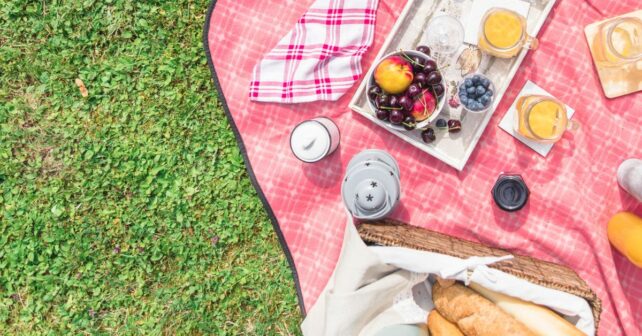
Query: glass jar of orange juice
x=541, y=118
x=503, y=33
x=618, y=42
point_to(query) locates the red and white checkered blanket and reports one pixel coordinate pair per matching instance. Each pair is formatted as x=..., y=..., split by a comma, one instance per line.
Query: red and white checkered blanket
x=573, y=191
x=320, y=58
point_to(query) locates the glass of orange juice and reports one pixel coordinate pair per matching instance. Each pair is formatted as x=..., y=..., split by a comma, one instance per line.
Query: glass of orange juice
x=542, y=119
x=618, y=42
x=503, y=33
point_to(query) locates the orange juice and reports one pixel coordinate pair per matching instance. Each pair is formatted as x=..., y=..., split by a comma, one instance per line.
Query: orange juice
x=503, y=33
x=618, y=42
x=541, y=118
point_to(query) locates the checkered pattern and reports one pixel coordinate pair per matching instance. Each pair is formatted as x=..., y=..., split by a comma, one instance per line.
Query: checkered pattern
x=320, y=58
x=573, y=191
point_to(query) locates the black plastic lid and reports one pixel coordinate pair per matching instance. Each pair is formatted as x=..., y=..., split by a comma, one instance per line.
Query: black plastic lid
x=510, y=192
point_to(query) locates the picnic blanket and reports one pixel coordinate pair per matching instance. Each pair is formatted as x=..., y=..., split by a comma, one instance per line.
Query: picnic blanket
x=573, y=191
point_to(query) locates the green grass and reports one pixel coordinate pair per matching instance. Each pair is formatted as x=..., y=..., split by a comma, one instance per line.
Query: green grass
x=128, y=211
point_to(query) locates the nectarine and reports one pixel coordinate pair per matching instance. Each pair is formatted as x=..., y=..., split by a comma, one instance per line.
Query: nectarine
x=394, y=74
x=424, y=106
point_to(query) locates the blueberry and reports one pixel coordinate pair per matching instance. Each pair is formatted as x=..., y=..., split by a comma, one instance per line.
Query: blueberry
x=468, y=82
x=489, y=92
x=470, y=90
x=462, y=93
x=441, y=123
x=476, y=79
x=463, y=100
x=485, y=82
x=480, y=90
x=484, y=100
x=472, y=105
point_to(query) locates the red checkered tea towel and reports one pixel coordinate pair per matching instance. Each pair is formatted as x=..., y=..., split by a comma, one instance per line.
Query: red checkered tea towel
x=320, y=58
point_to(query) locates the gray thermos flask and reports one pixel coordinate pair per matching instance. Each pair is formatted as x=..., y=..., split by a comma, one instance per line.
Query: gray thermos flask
x=371, y=186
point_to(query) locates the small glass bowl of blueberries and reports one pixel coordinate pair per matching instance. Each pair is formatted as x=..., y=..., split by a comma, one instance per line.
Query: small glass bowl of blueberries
x=476, y=93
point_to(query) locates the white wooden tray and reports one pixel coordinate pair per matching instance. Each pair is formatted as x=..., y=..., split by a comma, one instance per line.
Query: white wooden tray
x=451, y=148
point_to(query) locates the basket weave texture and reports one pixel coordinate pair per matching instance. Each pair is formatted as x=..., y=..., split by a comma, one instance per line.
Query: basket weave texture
x=544, y=273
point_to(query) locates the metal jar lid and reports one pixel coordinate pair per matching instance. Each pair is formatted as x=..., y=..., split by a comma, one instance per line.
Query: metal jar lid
x=310, y=141
x=510, y=192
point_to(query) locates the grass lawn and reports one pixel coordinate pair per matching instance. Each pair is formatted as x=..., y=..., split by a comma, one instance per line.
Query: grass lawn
x=128, y=211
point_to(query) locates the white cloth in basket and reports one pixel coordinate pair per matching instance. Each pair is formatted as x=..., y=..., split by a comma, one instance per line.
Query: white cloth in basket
x=375, y=287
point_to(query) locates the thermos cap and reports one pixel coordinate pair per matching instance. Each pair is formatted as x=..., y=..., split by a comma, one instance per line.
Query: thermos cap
x=371, y=195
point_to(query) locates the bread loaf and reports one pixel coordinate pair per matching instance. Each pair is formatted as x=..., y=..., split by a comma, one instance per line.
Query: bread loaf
x=474, y=314
x=540, y=320
x=439, y=326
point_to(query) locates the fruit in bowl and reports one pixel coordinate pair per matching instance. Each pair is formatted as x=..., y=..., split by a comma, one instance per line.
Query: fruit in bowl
x=407, y=89
x=424, y=105
x=394, y=74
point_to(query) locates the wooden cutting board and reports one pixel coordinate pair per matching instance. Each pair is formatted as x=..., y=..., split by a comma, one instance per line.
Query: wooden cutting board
x=616, y=81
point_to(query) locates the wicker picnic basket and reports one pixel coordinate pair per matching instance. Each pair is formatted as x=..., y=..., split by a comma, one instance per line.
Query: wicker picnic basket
x=394, y=233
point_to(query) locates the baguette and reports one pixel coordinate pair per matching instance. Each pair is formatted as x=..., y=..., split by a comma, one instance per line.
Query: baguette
x=540, y=320
x=439, y=326
x=474, y=314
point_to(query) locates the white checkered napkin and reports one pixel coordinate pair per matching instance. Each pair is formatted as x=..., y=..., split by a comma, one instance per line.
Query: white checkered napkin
x=320, y=58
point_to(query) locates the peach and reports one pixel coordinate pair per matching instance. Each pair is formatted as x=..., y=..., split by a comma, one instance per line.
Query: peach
x=424, y=106
x=394, y=74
